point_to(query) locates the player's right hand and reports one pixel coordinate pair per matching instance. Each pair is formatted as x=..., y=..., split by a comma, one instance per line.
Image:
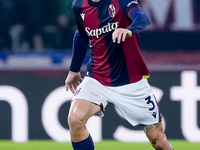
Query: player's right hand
x=72, y=81
x=120, y=35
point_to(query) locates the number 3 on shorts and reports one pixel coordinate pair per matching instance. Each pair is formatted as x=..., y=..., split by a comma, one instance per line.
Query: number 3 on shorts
x=149, y=101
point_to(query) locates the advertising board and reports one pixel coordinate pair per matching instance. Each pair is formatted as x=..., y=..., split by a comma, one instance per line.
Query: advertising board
x=34, y=105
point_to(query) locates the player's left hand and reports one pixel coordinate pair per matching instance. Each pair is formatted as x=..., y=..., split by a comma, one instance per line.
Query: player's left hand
x=120, y=34
x=72, y=81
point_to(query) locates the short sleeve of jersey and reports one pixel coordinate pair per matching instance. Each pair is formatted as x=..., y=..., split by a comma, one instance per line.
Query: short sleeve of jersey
x=128, y=5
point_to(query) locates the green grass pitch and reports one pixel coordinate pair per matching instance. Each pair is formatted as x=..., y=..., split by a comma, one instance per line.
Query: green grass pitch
x=104, y=145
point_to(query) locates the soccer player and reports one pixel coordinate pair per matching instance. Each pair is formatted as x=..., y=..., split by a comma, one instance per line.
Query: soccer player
x=116, y=72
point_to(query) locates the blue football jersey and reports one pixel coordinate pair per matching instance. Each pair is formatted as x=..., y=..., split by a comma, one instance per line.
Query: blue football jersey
x=112, y=64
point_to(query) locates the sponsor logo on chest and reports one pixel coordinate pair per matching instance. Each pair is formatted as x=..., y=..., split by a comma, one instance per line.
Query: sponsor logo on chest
x=105, y=29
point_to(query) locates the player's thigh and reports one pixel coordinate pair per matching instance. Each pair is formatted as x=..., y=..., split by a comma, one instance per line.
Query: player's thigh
x=82, y=110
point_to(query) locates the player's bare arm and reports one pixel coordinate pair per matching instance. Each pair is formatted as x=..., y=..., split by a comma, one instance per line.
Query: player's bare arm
x=120, y=34
x=72, y=81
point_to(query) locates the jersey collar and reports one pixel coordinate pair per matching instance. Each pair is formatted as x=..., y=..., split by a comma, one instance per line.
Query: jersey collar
x=95, y=4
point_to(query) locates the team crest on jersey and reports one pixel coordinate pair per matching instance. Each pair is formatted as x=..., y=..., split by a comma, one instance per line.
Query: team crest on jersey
x=111, y=10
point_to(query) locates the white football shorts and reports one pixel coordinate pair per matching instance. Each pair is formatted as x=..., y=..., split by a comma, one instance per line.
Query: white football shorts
x=135, y=101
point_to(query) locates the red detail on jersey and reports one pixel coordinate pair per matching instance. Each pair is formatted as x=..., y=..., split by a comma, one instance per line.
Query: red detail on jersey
x=136, y=66
x=134, y=61
x=101, y=69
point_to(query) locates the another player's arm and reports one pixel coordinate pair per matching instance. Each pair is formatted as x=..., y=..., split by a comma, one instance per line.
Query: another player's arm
x=80, y=44
x=140, y=20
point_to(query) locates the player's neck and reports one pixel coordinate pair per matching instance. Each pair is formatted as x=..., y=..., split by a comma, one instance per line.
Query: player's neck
x=95, y=0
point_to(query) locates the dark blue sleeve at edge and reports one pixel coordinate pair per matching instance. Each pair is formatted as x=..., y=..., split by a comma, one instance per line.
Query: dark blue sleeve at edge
x=80, y=44
x=140, y=21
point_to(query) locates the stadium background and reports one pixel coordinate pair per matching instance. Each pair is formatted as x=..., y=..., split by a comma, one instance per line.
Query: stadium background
x=35, y=54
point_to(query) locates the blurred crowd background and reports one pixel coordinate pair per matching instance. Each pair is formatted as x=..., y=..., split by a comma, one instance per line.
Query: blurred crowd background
x=35, y=25
x=49, y=25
